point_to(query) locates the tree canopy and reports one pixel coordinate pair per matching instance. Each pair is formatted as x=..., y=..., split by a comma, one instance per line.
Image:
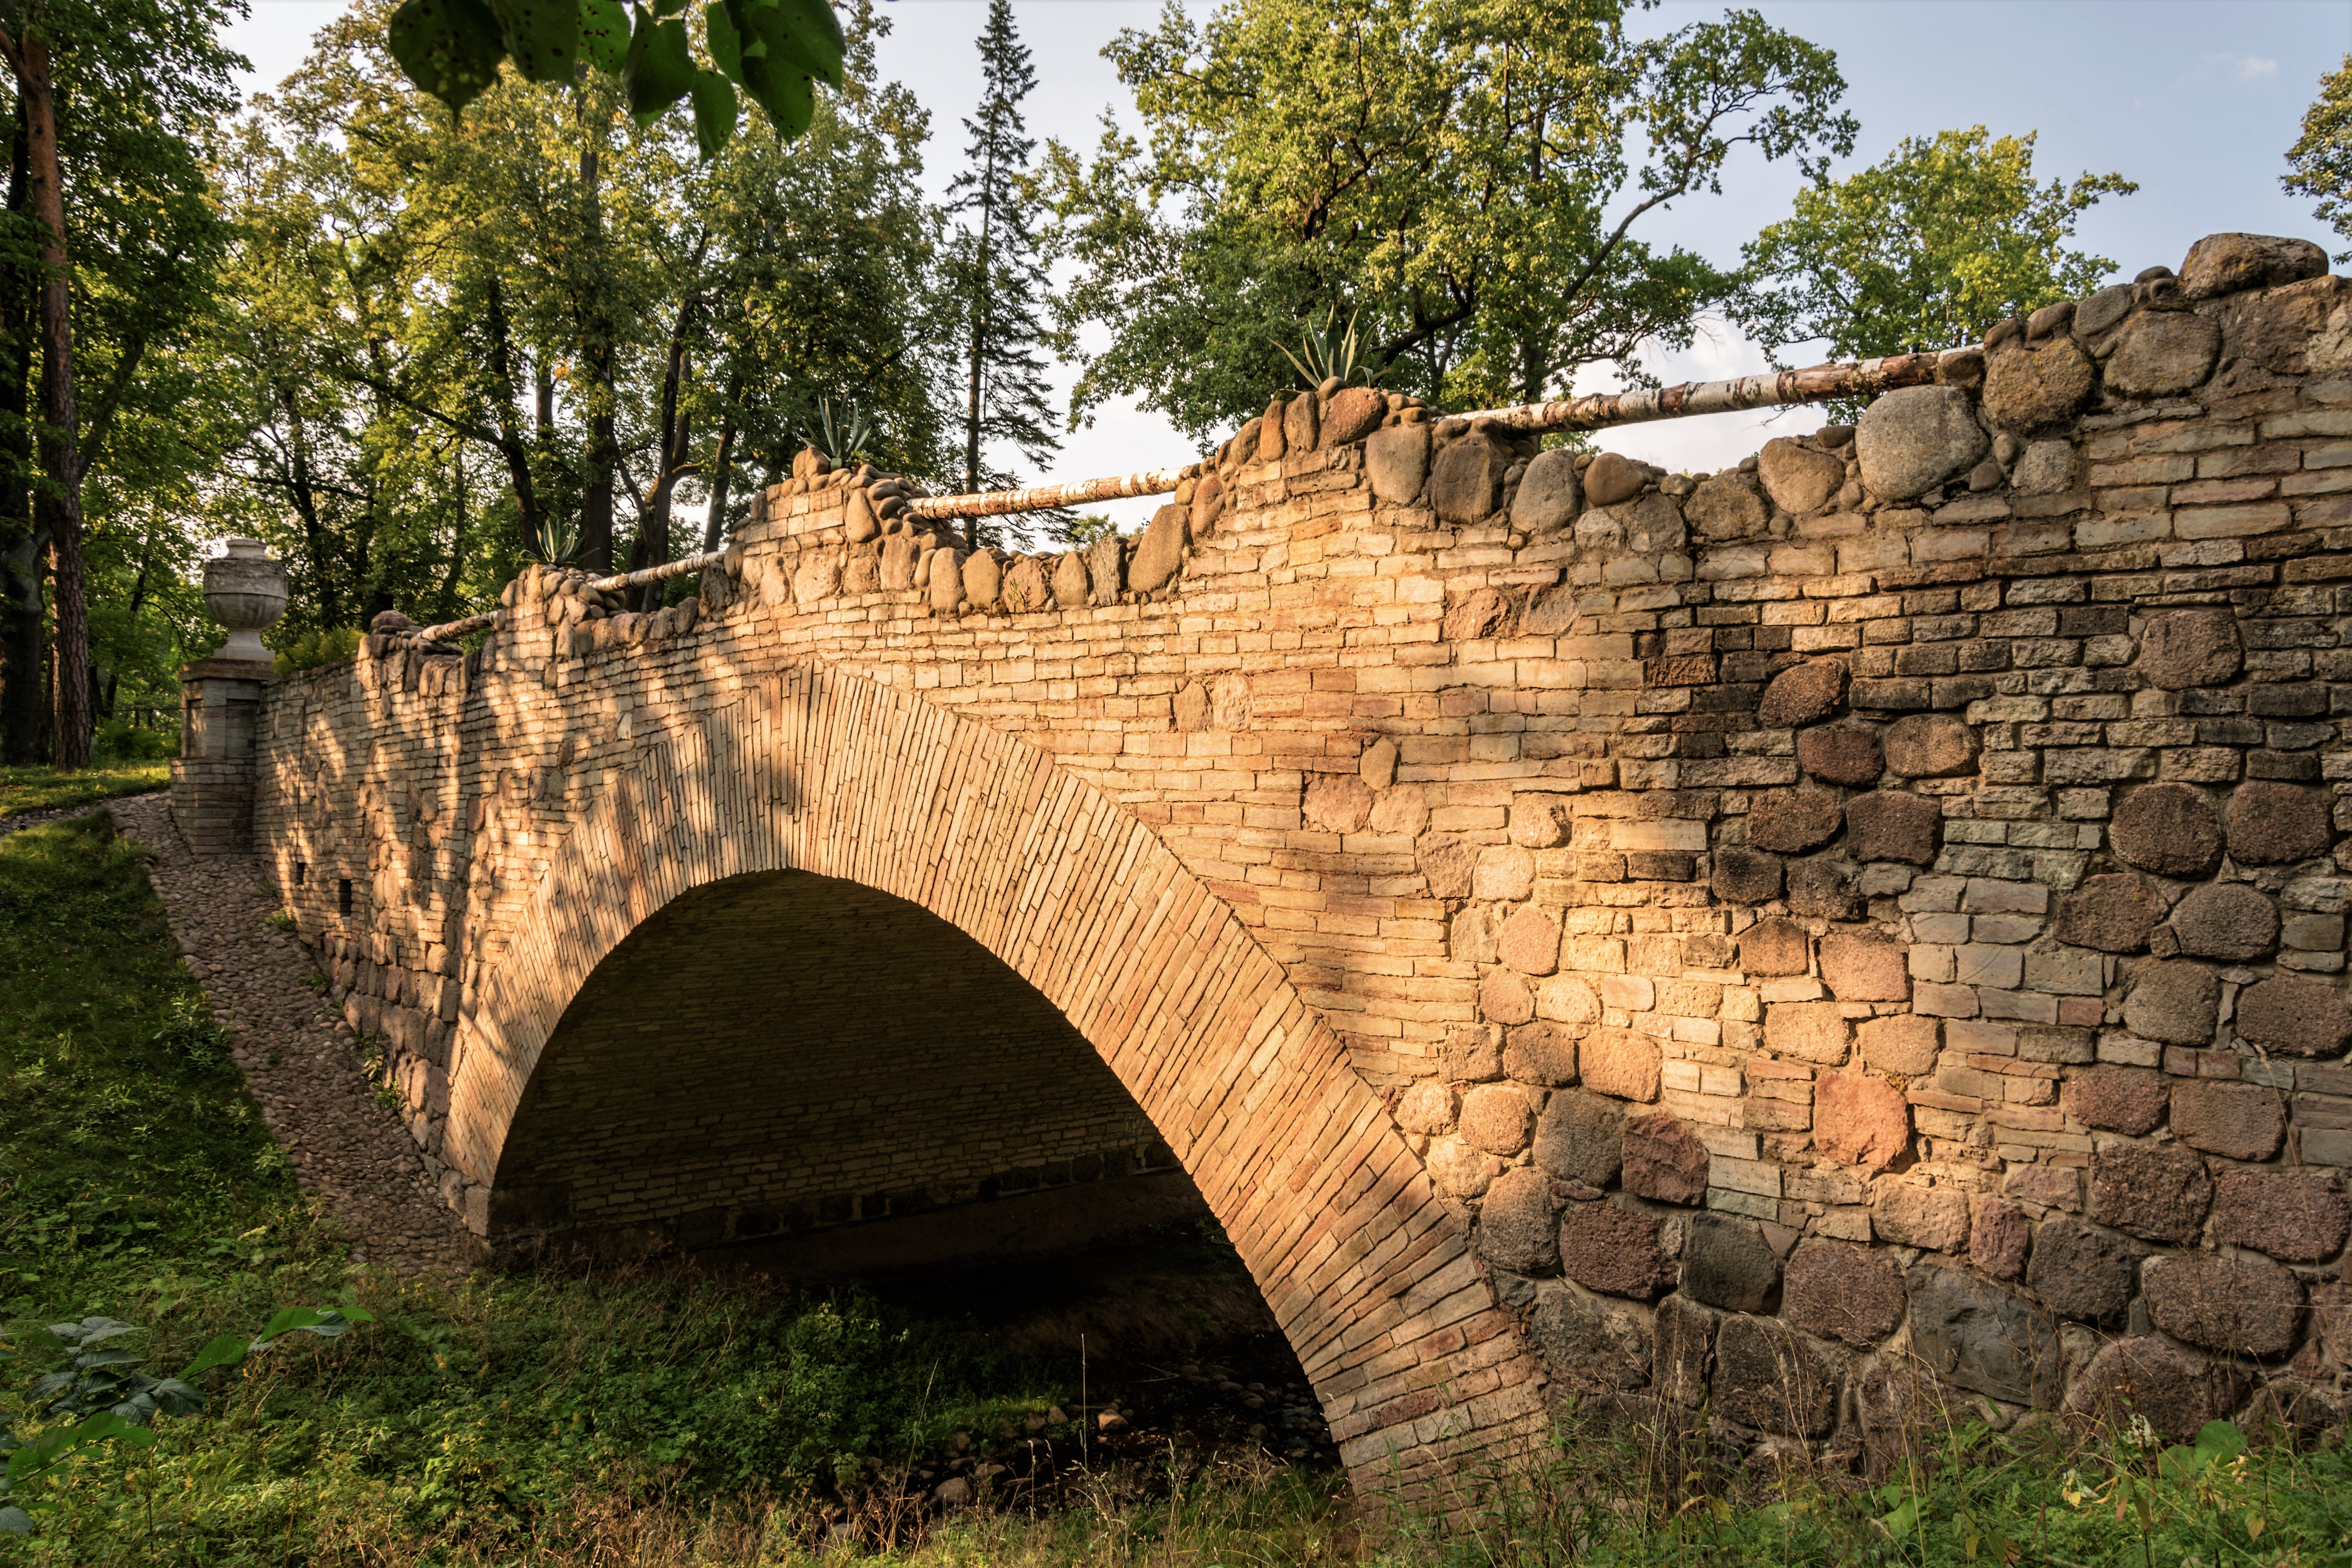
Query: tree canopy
x=1929, y=247
x=1468, y=179
x=2320, y=162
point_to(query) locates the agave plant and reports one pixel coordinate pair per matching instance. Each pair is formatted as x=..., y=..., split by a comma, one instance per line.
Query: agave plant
x=555, y=541
x=1335, y=351
x=840, y=434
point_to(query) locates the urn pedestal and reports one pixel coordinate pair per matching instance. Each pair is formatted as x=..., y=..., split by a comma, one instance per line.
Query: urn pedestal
x=212, y=778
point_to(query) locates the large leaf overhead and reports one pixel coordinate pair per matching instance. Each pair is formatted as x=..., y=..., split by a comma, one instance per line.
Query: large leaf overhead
x=660, y=67
x=604, y=35
x=776, y=50
x=543, y=37
x=450, y=49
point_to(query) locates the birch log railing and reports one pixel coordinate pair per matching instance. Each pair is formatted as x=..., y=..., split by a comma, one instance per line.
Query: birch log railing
x=1594, y=411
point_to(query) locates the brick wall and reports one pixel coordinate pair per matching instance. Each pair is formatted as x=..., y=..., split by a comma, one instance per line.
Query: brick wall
x=1766, y=936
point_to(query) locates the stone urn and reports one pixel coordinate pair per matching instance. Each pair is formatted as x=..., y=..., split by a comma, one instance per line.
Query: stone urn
x=245, y=592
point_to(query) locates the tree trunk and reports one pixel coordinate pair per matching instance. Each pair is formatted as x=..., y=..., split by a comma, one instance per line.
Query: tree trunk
x=24, y=547
x=61, y=467
x=979, y=303
x=596, y=332
x=722, y=473
x=512, y=445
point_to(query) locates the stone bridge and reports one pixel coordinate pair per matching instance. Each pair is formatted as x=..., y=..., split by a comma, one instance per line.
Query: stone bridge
x=1865, y=921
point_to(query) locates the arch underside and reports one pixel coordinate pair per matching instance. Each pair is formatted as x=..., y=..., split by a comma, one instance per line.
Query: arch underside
x=820, y=1072
x=815, y=773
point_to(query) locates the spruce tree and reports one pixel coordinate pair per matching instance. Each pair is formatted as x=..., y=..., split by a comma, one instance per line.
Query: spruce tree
x=994, y=279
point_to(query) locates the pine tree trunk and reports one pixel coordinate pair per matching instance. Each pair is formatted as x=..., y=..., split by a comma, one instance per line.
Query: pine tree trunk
x=604, y=450
x=60, y=500
x=24, y=547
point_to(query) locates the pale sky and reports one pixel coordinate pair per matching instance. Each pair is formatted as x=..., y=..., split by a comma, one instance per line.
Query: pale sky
x=2195, y=100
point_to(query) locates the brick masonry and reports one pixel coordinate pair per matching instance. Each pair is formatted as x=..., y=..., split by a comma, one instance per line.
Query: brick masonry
x=1751, y=938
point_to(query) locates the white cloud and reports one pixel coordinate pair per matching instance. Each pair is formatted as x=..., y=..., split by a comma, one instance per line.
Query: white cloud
x=2251, y=68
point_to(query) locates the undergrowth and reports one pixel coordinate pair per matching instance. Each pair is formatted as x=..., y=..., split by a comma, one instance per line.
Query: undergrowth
x=42, y=788
x=669, y=1422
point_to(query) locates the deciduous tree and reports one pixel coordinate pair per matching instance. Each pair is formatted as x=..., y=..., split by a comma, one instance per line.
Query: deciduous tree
x=1472, y=180
x=1929, y=247
x=2320, y=161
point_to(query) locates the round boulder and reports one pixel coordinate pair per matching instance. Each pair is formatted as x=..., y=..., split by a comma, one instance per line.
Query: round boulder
x=1930, y=746
x=1916, y=437
x=1495, y=1117
x=1726, y=1264
x=2302, y=1018
x=2114, y=913
x=2162, y=355
x=2117, y=1099
x=1614, y=1249
x=2235, y=1120
x=1745, y=876
x=1581, y=1138
x=1839, y=1291
x=2237, y=1306
x=1665, y=1161
x=2082, y=1272
x=2227, y=921
x=1860, y=1121
x=1469, y=478
x=1516, y=1226
x=1862, y=966
x=2277, y=823
x=2232, y=263
x=2176, y=1392
x=1891, y=825
x=2300, y=1216
x=2028, y=388
x=1775, y=947
x=1840, y=755
x=1612, y=479
x=2170, y=829
x=1793, y=821
x=1725, y=507
x=2161, y=1195
x=1549, y=493
x=1353, y=413
x=2185, y=649
x=1798, y=478
x=1802, y=694
x=2175, y=1003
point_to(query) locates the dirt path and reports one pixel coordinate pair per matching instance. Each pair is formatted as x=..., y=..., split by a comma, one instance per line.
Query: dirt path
x=296, y=1051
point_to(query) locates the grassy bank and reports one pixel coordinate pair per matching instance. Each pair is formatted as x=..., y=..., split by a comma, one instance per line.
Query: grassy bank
x=667, y=1421
x=41, y=788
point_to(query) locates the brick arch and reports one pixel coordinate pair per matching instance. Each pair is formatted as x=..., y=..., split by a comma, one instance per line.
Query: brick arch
x=1370, y=1275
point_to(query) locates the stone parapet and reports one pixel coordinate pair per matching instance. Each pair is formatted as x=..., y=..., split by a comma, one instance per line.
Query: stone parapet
x=1756, y=939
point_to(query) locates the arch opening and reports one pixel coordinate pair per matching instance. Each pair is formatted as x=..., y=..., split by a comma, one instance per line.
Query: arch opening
x=826, y=1082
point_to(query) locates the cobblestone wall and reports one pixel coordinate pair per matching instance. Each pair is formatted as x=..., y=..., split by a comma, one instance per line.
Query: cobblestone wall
x=1868, y=915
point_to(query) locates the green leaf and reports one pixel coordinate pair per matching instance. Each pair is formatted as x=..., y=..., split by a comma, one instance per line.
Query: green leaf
x=726, y=43
x=805, y=34
x=603, y=34
x=714, y=112
x=228, y=1350
x=2220, y=1440
x=173, y=1397
x=660, y=67
x=788, y=96
x=16, y=1521
x=542, y=36
x=449, y=48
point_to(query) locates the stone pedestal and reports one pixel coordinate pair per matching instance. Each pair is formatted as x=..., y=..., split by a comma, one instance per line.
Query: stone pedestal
x=220, y=699
x=212, y=778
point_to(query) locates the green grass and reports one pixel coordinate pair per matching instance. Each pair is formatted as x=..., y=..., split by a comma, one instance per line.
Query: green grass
x=40, y=788
x=549, y=1420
